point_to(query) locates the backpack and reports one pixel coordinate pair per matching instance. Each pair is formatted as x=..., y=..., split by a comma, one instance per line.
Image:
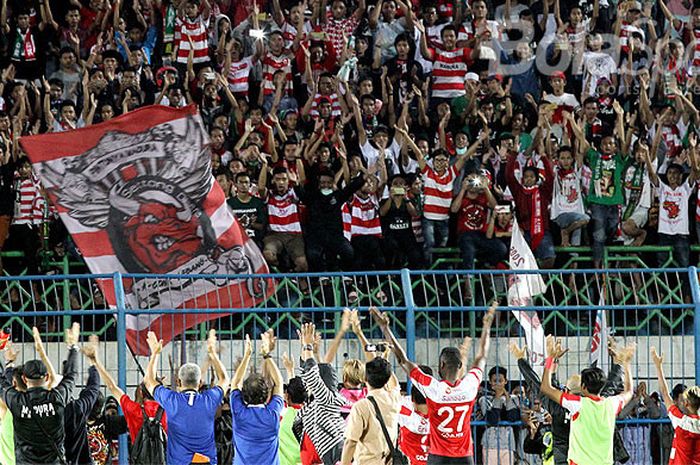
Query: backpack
x=149, y=445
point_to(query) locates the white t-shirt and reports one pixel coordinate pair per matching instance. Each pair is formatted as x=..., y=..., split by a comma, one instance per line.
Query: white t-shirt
x=597, y=65
x=568, y=190
x=673, y=209
x=371, y=154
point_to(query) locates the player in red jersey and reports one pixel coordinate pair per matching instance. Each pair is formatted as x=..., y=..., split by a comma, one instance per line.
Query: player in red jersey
x=685, y=449
x=414, y=426
x=451, y=399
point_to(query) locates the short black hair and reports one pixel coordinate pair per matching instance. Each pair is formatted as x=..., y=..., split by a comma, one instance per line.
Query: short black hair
x=533, y=169
x=223, y=171
x=56, y=82
x=378, y=372
x=449, y=27
x=296, y=390
x=66, y=50
x=590, y=100
x=678, y=390
x=498, y=371
x=243, y=174
x=565, y=148
x=593, y=379
x=279, y=170
x=416, y=395
x=255, y=389
x=451, y=358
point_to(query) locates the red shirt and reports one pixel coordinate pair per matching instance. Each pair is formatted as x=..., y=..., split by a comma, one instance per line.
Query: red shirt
x=685, y=449
x=473, y=214
x=414, y=441
x=450, y=409
x=134, y=415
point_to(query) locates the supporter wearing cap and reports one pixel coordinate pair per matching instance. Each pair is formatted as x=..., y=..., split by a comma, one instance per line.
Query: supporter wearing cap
x=38, y=412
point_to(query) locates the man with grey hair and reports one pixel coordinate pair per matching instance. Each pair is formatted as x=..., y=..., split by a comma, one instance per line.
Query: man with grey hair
x=190, y=412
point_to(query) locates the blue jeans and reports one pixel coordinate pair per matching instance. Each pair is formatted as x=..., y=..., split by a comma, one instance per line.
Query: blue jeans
x=567, y=219
x=470, y=242
x=681, y=249
x=435, y=234
x=605, y=219
x=546, y=248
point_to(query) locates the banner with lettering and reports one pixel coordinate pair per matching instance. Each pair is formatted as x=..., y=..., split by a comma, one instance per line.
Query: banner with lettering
x=138, y=196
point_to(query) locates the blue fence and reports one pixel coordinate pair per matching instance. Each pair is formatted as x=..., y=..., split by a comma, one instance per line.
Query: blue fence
x=429, y=310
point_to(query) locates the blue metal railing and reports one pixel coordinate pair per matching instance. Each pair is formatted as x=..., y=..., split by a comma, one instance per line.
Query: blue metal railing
x=429, y=309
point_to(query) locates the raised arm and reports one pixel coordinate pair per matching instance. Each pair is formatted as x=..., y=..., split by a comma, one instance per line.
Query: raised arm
x=584, y=145
x=150, y=380
x=653, y=176
x=222, y=378
x=90, y=351
x=554, y=353
x=268, y=345
x=482, y=350
x=41, y=351
x=242, y=369
x=382, y=320
x=339, y=335
x=658, y=360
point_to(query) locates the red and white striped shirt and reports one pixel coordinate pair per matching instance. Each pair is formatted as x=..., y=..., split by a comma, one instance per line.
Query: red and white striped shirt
x=626, y=30
x=449, y=70
x=347, y=221
x=365, y=216
x=283, y=212
x=438, y=193
x=338, y=29
x=197, y=31
x=271, y=64
x=29, y=203
x=289, y=32
x=336, y=109
x=238, y=75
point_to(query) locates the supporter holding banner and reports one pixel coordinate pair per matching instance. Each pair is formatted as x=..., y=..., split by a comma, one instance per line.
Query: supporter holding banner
x=137, y=195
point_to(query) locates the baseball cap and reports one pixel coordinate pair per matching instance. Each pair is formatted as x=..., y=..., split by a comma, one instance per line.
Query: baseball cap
x=34, y=369
x=471, y=77
x=635, y=6
x=558, y=74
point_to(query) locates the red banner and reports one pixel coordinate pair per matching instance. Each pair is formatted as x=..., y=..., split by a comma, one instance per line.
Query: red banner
x=138, y=196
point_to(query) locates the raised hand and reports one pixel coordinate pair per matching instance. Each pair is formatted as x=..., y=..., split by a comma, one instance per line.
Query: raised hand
x=517, y=351
x=307, y=333
x=288, y=363
x=10, y=353
x=490, y=315
x=73, y=334
x=346, y=320
x=382, y=318
x=211, y=342
x=155, y=344
x=38, y=343
x=657, y=358
x=248, y=346
x=268, y=342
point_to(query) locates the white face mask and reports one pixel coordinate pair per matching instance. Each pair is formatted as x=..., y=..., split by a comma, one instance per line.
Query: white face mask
x=461, y=150
x=326, y=191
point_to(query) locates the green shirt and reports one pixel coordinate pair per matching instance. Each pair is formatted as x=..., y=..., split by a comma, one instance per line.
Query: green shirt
x=606, y=177
x=7, y=440
x=592, y=428
x=290, y=449
x=253, y=211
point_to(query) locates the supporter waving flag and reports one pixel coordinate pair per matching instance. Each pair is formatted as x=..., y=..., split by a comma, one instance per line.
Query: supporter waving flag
x=521, y=289
x=138, y=196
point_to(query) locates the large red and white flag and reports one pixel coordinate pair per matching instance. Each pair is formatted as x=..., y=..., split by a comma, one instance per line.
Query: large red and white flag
x=138, y=196
x=521, y=289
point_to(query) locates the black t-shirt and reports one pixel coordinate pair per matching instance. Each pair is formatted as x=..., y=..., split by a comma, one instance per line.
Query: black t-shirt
x=397, y=221
x=7, y=189
x=253, y=211
x=38, y=417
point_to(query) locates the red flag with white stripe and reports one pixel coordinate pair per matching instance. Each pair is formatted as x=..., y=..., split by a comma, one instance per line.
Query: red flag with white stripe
x=137, y=195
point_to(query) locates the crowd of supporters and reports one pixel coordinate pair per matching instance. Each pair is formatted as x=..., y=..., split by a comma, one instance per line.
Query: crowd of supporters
x=362, y=135
x=316, y=416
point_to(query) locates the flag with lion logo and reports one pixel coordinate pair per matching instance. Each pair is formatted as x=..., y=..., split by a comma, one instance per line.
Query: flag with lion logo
x=138, y=196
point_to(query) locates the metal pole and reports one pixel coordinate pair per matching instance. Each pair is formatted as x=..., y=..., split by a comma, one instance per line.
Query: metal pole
x=410, y=313
x=121, y=354
x=695, y=292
